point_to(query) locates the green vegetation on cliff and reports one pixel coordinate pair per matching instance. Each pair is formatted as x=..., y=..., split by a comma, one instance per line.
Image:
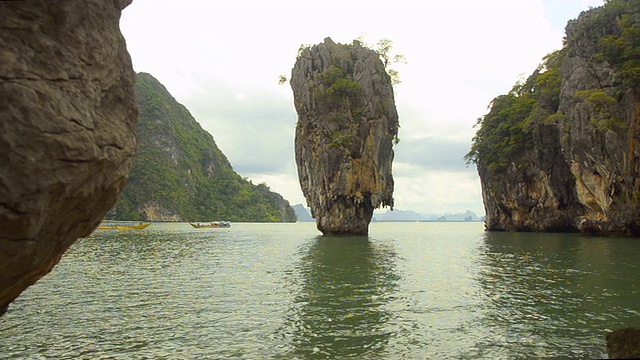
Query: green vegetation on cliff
x=180, y=174
x=504, y=134
x=559, y=152
x=618, y=20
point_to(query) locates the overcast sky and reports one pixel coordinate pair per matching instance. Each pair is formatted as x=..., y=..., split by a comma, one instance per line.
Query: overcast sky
x=222, y=60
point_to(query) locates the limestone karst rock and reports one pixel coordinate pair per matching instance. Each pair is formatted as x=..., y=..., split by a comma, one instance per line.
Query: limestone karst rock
x=180, y=174
x=600, y=134
x=347, y=122
x=67, y=130
x=561, y=151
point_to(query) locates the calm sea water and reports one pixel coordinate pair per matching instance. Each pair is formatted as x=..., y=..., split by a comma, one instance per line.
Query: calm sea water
x=281, y=291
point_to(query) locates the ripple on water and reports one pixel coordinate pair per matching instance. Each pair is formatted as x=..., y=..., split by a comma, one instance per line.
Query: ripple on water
x=422, y=290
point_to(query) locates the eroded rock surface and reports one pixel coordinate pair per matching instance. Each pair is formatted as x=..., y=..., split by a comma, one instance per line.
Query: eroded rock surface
x=600, y=137
x=561, y=152
x=623, y=343
x=347, y=122
x=67, y=130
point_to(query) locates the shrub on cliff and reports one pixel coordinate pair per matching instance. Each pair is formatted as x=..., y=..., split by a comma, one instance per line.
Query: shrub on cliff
x=504, y=134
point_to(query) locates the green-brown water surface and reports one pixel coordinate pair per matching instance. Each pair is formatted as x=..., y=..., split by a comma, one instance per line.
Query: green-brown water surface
x=281, y=291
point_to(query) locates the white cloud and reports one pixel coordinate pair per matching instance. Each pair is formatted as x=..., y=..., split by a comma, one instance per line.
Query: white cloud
x=222, y=60
x=255, y=129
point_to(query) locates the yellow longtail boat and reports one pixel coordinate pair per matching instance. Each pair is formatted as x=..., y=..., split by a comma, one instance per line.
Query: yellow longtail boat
x=122, y=226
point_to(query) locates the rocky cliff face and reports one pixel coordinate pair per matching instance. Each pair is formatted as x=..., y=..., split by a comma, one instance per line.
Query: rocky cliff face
x=180, y=174
x=67, y=130
x=562, y=154
x=599, y=134
x=347, y=122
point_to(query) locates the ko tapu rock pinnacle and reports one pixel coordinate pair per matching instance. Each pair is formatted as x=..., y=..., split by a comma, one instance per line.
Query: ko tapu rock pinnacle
x=347, y=124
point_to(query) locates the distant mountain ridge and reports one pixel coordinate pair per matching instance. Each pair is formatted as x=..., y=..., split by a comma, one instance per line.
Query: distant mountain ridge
x=408, y=215
x=303, y=213
x=180, y=174
x=398, y=215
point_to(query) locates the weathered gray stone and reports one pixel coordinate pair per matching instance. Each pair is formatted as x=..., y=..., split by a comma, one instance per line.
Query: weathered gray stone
x=347, y=122
x=624, y=344
x=67, y=129
x=539, y=197
x=605, y=163
x=582, y=173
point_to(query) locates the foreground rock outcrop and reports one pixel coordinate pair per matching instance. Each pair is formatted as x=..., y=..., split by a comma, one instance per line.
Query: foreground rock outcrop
x=623, y=343
x=347, y=122
x=67, y=130
x=561, y=151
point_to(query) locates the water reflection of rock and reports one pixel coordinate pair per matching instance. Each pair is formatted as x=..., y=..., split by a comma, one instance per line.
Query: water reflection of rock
x=340, y=311
x=553, y=295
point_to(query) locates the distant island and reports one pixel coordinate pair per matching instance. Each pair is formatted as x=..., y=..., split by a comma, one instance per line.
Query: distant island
x=304, y=215
x=408, y=215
